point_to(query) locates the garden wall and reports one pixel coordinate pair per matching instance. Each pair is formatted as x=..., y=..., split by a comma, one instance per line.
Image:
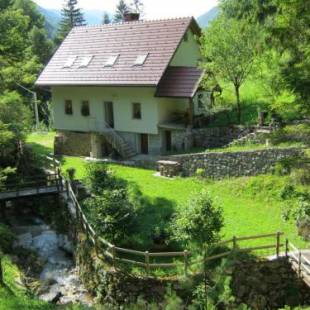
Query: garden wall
x=234, y=164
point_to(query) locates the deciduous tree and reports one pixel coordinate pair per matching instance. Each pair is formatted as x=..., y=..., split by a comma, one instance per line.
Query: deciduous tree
x=230, y=48
x=121, y=9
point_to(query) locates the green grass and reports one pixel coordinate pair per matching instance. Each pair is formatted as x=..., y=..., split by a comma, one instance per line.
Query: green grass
x=14, y=296
x=251, y=205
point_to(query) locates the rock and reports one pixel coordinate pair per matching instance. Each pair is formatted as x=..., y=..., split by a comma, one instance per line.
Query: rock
x=65, y=244
x=24, y=240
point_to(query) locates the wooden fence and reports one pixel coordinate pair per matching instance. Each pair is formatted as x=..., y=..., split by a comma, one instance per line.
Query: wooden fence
x=180, y=259
x=300, y=261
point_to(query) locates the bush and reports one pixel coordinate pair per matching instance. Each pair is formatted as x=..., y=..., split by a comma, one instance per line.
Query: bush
x=99, y=177
x=292, y=133
x=7, y=238
x=301, y=176
x=200, y=221
x=70, y=174
x=112, y=214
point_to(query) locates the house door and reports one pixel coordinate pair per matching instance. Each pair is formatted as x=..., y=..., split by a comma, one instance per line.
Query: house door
x=144, y=143
x=168, y=140
x=109, y=113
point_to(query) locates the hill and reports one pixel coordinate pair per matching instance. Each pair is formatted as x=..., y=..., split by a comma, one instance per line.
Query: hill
x=206, y=18
x=53, y=17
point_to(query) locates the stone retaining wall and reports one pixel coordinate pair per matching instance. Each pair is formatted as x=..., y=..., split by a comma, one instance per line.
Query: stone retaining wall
x=72, y=143
x=234, y=164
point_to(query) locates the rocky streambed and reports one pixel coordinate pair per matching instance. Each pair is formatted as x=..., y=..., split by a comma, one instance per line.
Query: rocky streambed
x=58, y=277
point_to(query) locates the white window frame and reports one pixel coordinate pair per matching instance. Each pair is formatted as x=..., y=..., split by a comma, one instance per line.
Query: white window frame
x=110, y=62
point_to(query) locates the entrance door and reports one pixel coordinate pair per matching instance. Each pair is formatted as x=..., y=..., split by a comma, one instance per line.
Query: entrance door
x=144, y=143
x=109, y=113
x=168, y=140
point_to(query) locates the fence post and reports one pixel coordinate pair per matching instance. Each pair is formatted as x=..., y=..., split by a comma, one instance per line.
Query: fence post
x=278, y=244
x=147, y=262
x=234, y=243
x=286, y=247
x=299, y=263
x=113, y=255
x=185, y=263
x=67, y=187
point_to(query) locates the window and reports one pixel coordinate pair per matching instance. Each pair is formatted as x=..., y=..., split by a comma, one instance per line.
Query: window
x=85, y=61
x=111, y=61
x=85, y=108
x=70, y=61
x=140, y=60
x=68, y=107
x=136, y=111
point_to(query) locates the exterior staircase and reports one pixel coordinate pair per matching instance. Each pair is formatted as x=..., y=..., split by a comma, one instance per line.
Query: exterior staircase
x=118, y=143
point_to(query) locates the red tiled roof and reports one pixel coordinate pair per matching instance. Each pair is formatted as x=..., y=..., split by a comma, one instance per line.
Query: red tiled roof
x=181, y=82
x=158, y=38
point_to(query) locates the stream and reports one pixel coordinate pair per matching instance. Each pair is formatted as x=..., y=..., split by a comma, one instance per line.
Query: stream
x=59, y=275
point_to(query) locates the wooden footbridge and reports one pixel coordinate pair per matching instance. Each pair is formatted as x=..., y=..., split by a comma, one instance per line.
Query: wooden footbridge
x=40, y=186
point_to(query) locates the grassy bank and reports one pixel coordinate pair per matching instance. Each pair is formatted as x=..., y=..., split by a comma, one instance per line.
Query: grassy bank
x=252, y=205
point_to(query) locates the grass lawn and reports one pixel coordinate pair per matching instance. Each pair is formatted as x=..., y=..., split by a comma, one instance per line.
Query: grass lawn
x=251, y=205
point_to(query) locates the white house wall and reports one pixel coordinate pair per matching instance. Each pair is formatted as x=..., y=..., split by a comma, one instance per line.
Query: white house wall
x=122, y=98
x=188, y=54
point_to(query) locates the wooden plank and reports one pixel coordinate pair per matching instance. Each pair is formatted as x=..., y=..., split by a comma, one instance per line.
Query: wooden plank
x=167, y=254
x=128, y=251
x=163, y=265
x=291, y=245
x=110, y=245
x=257, y=237
x=262, y=247
x=217, y=256
x=129, y=261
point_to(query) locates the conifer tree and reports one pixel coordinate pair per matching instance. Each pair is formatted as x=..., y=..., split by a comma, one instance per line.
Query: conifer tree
x=106, y=19
x=121, y=9
x=72, y=16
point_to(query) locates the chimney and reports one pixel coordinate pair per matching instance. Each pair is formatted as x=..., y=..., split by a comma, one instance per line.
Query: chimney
x=131, y=17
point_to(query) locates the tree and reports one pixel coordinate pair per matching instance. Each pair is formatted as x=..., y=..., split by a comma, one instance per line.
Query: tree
x=199, y=222
x=71, y=17
x=138, y=6
x=230, y=48
x=121, y=9
x=285, y=25
x=106, y=19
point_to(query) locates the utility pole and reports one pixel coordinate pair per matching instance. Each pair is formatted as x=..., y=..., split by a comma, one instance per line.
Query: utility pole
x=35, y=104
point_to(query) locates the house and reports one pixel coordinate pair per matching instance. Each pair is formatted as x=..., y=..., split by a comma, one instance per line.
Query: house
x=132, y=87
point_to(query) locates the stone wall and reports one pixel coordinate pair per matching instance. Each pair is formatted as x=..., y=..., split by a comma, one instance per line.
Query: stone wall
x=72, y=143
x=268, y=285
x=234, y=164
x=207, y=137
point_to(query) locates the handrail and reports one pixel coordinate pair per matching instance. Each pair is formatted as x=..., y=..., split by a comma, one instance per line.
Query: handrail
x=301, y=260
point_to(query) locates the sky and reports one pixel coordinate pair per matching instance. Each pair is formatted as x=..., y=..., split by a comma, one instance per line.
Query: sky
x=153, y=8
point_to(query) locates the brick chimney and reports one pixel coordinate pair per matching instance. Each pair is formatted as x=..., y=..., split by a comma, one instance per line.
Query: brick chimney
x=131, y=17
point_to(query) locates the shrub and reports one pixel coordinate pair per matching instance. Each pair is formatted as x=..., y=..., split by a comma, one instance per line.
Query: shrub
x=112, y=214
x=70, y=173
x=200, y=221
x=7, y=238
x=292, y=133
x=301, y=176
x=99, y=177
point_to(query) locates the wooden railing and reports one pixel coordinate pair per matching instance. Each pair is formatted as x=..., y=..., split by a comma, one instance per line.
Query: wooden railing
x=183, y=258
x=301, y=261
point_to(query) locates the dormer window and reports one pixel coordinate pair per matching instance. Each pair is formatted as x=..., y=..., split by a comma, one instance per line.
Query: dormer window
x=140, y=60
x=111, y=61
x=70, y=61
x=85, y=61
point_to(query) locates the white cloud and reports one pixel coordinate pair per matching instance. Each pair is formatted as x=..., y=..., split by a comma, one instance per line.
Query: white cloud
x=153, y=8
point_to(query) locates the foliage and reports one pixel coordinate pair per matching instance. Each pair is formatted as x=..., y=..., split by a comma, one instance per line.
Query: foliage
x=229, y=48
x=7, y=238
x=100, y=177
x=71, y=17
x=106, y=18
x=292, y=133
x=112, y=214
x=285, y=26
x=121, y=9
x=200, y=221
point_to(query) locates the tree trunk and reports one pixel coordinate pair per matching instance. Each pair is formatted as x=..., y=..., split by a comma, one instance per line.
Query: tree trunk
x=237, y=88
